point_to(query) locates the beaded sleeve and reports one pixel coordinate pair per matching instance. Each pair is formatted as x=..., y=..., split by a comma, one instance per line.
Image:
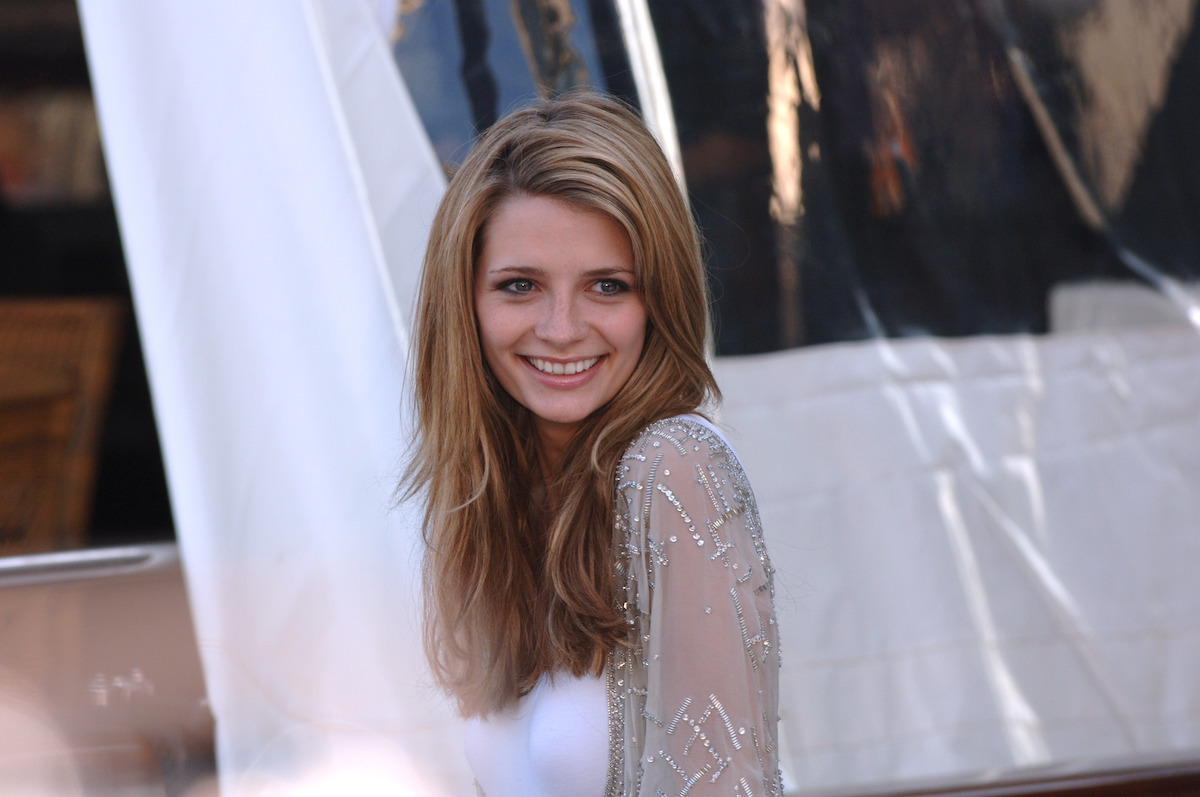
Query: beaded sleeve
x=693, y=696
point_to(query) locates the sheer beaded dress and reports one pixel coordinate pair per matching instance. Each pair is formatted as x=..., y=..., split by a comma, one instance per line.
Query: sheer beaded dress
x=692, y=699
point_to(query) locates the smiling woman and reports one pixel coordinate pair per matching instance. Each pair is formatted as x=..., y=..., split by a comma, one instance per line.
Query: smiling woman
x=560, y=321
x=599, y=599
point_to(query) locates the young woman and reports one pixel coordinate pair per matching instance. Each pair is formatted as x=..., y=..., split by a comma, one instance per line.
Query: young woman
x=598, y=596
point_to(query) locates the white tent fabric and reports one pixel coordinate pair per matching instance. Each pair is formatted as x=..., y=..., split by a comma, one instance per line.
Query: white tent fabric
x=275, y=188
x=986, y=550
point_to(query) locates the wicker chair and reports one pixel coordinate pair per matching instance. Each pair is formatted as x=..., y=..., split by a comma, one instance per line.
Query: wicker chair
x=56, y=368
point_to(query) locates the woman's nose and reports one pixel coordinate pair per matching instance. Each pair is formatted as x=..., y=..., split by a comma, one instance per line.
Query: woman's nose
x=561, y=323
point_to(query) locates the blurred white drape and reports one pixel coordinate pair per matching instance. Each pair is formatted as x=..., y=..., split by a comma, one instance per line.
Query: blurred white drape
x=274, y=188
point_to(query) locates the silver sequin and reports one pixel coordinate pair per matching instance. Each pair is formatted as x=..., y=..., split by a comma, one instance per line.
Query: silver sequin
x=694, y=484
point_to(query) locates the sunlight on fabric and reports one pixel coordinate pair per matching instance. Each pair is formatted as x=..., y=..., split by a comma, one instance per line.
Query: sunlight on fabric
x=274, y=189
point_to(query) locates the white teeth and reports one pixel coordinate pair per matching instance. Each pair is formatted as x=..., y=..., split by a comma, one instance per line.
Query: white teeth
x=562, y=369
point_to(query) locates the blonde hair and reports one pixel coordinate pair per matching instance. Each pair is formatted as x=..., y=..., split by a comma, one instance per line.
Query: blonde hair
x=514, y=591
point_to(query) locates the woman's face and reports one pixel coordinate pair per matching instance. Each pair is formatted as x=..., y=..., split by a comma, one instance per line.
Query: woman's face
x=560, y=317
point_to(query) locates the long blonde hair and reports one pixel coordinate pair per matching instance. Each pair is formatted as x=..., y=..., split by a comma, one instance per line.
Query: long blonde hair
x=515, y=590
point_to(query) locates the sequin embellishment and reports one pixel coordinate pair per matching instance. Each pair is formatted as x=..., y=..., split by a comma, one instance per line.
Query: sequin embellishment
x=679, y=477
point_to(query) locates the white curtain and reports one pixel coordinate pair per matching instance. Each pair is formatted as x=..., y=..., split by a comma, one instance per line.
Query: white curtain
x=274, y=188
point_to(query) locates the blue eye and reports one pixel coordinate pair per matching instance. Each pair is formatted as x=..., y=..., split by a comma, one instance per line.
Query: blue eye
x=610, y=287
x=516, y=286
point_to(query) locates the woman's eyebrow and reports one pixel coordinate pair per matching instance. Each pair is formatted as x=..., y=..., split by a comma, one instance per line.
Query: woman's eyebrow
x=533, y=271
x=607, y=271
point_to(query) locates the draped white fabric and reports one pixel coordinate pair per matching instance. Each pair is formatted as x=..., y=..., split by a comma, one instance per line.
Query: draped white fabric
x=986, y=550
x=274, y=189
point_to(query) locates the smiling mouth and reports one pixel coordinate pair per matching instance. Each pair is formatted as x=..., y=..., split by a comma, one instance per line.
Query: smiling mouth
x=562, y=369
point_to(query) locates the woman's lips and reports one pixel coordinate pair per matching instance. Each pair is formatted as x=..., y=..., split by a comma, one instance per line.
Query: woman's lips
x=564, y=374
x=562, y=368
